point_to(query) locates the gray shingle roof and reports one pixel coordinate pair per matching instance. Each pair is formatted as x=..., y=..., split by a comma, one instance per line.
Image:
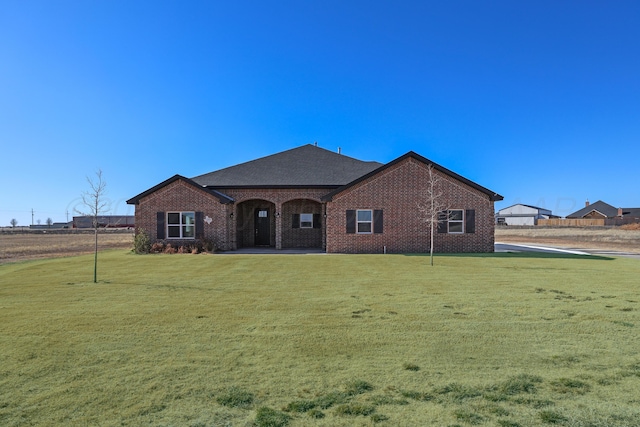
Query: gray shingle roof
x=599, y=206
x=305, y=166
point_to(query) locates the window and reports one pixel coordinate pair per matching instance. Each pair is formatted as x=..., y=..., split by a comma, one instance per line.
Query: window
x=364, y=222
x=181, y=225
x=306, y=220
x=456, y=221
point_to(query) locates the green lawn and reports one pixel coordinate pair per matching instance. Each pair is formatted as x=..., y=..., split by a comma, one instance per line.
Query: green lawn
x=320, y=340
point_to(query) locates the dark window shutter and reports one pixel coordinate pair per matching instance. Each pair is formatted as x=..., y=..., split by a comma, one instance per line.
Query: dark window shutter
x=378, y=222
x=295, y=221
x=199, y=225
x=351, y=222
x=160, y=225
x=470, y=221
x=442, y=222
x=317, y=222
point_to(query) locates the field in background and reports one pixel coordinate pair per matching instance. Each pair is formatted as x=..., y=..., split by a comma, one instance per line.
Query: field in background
x=321, y=340
x=611, y=238
x=21, y=246
x=37, y=245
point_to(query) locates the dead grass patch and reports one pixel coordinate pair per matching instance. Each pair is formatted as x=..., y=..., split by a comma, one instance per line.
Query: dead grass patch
x=614, y=238
x=28, y=246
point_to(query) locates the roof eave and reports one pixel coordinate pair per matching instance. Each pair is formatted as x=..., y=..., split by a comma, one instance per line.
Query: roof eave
x=223, y=198
x=493, y=196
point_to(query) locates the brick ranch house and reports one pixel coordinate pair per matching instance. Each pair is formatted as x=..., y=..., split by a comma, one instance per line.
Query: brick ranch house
x=309, y=197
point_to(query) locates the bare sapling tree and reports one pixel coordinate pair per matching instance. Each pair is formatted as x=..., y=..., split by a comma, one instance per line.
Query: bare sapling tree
x=433, y=206
x=49, y=222
x=95, y=202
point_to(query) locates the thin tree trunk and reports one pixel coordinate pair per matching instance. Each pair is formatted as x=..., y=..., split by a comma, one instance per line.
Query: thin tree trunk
x=431, y=244
x=95, y=258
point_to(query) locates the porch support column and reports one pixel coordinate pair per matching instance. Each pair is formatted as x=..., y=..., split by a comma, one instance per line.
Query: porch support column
x=324, y=226
x=232, y=219
x=278, y=226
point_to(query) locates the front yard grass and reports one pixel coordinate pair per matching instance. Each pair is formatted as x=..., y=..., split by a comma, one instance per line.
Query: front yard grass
x=320, y=340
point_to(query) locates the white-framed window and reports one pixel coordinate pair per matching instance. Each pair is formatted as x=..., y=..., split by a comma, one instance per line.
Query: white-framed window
x=181, y=225
x=364, y=221
x=306, y=220
x=455, y=223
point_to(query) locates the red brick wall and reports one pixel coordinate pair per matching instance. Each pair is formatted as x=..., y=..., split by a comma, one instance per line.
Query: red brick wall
x=180, y=196
x=301, y=237
x=285, y=202
x=397, y=191
x=229, y=232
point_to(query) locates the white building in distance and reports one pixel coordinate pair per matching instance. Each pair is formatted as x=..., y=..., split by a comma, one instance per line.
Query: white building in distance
x=520, y=214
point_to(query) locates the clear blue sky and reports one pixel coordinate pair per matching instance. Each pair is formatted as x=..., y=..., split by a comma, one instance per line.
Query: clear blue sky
x=536, y=100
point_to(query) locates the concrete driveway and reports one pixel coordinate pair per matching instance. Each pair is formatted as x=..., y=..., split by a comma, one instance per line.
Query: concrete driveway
x=513, y=247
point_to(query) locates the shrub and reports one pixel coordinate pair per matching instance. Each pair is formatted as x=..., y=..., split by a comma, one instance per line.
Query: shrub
x=168, y=249
x=267, y=417
x=235, y=397
x=157, y=248
x=207, y=245
x=141, y=242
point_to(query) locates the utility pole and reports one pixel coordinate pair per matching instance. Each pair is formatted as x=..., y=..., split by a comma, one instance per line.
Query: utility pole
x=31, y=216
x=67, y=212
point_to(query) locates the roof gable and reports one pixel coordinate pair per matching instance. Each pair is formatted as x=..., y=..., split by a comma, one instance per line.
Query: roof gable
x=305, y=166
x=601, y=207
x=522, y=208
x=220, y=196
x=493, y=196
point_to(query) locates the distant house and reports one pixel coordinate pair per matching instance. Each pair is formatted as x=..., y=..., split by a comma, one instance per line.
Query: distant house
x=602, y=210
x=105, y=221
x=520, y=214
x=309, y=197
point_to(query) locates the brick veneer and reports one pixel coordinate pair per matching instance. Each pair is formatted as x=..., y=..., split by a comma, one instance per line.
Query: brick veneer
x=180, y=196
x=397, y=191
x=232, y=225
x=283, y=202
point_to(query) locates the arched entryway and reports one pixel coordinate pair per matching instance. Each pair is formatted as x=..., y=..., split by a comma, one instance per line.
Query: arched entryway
x=255, y=224
x=302, y=224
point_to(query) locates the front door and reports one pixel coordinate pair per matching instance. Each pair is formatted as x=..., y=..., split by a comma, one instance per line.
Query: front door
x=262, y=227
